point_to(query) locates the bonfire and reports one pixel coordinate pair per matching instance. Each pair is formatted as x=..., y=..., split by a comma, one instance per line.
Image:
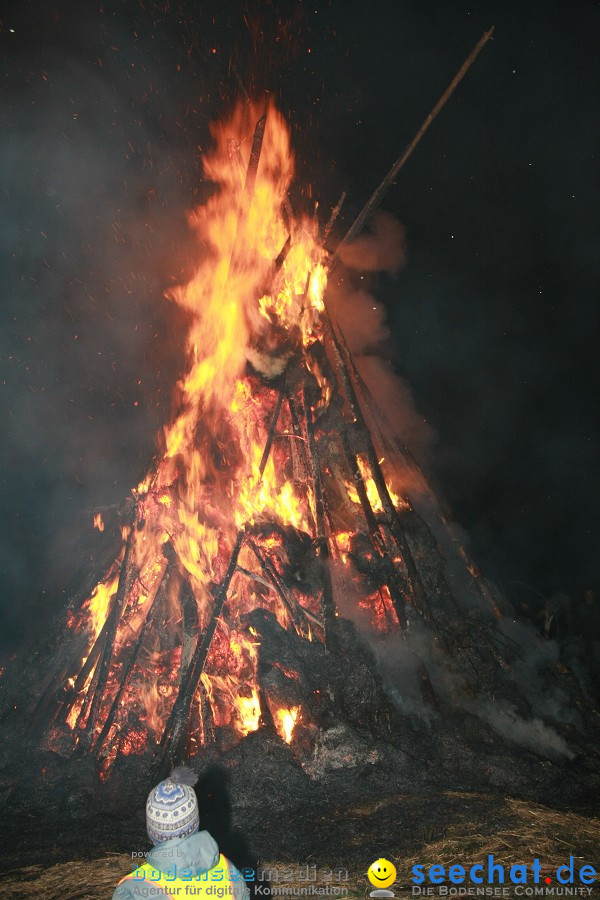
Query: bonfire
x=283, y=572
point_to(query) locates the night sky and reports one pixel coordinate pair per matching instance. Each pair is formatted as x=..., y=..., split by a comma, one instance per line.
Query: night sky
x=494, y=318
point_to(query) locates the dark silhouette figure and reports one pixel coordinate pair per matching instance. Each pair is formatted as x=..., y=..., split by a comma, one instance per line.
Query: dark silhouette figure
x=214, y=803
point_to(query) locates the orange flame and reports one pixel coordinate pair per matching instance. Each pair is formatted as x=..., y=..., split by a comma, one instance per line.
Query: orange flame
x=371, y=489
x=98, y=522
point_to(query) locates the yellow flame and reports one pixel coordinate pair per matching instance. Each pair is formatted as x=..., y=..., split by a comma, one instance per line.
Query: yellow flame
x=99, y=603
x=285, y=722
x=260, y=497
x=248, y=712
x=371, y=489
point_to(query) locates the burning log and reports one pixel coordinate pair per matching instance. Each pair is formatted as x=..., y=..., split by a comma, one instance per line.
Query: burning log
x=56, y=691
x=300, y=446
x=257, y=141
x=134, y=653
x=206, y=717
x=282, y=255
x=388, y=569
x=272, y=429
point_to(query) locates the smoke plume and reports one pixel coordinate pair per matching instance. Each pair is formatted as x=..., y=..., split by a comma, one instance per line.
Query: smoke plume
x=353, y=303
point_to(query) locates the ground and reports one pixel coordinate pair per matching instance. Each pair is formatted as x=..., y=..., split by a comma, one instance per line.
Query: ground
x=446, y=828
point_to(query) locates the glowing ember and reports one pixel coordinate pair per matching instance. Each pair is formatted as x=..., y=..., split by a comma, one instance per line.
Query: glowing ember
x=380, y=609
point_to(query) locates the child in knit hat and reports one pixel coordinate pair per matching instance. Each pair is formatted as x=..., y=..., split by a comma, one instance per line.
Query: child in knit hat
x=185, y=861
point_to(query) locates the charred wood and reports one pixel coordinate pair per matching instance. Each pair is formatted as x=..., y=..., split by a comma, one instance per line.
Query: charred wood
x=322, y=540
x=365, y=443
x=291, y=607
x=385, y=565
x=190, y=623
x=300, y=446
x=282, y=255
x=257, y=142
x=333, y=218
x=272, y=428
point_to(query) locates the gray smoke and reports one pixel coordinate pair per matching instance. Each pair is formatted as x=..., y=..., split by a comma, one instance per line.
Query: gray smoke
x=381, y=250
x=92, y=231
x=363, y=318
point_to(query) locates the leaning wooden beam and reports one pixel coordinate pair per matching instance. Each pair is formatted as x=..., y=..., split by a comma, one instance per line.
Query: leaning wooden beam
x=389, y=570
x=299, y=436
x=248, y=195
x=207, y=722
x=390, y=441
x=375, y=417
x=418, y=590
x=133, y=656
x=189, y=622
x=380, y=192
x=251, y=172
x=180, y=711
x=342, y=366
x=361, y=490
x=322, y=540
x=87, y=667
x=52, y=697
x=103, y=667
x=270, y=572
x=55, y=691
x=369, y=406
x=254, y=577
x=272, y=428
x=333, y=218
x=282, y=255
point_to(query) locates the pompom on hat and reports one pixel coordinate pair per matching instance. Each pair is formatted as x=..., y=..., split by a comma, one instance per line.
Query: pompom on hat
x=172, y=808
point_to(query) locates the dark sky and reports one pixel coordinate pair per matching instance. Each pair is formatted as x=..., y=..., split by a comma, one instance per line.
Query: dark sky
x=104, y=111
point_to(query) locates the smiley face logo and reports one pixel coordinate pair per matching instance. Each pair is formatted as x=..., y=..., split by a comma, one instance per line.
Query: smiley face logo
x=381, y=873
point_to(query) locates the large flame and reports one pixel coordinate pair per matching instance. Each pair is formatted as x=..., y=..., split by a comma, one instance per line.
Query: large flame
x=248, y=302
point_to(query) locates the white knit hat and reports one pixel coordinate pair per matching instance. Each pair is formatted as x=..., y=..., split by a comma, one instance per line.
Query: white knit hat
x=172, y=808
